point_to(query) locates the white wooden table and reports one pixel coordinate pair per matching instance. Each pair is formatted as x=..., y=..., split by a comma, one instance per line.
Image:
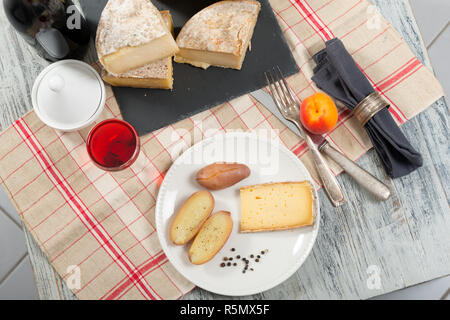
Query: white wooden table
x=404, y=241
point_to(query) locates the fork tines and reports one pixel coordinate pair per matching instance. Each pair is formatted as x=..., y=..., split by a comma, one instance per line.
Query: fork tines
x=282, y=95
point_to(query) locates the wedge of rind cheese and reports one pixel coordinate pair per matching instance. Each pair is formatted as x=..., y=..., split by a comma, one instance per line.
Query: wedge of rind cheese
x=218, y=35
x=158, y=74
x=132, y=34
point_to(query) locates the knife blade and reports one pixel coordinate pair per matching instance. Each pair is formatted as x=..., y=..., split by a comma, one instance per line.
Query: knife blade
x=374, y=186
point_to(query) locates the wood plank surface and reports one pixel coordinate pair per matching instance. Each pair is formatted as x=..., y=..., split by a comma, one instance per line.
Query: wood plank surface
x=405, y=240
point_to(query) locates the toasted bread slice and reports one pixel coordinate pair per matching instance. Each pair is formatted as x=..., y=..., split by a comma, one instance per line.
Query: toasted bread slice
x=211, y=237
x=191, y=216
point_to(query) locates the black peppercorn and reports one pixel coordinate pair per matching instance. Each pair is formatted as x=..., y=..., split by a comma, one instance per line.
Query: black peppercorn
x=235, y=264
x=229, y=264
x=238, y=257
x=222, y=264
x=251, y=256
x=233, y=249
x=258, y=256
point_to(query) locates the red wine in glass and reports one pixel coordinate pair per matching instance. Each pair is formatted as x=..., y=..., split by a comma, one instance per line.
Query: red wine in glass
x=113, y=145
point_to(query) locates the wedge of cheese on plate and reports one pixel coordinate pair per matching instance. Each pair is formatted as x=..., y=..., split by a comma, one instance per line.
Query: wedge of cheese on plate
x=276, y=206
x=157, y=75
x=218, y=35
x=132, y=34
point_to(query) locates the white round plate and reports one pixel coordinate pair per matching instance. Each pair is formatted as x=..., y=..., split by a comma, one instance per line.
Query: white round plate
x=268, y=161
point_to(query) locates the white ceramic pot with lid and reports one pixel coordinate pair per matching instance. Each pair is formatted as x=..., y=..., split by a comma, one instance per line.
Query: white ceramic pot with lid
x=68, y=95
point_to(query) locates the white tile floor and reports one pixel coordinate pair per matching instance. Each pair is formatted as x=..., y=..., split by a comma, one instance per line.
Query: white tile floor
x=16, y=276
x=433, y=18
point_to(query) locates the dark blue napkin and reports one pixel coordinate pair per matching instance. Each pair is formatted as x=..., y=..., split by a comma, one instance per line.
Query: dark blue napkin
x=337, y=74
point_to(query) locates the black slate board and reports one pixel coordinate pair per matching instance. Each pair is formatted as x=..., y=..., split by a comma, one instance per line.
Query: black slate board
x=195, y=89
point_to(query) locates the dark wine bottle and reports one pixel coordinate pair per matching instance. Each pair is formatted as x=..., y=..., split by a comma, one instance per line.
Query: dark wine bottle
x=55, y=28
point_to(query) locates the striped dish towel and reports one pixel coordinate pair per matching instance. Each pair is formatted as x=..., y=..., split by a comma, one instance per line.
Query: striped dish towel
x=100, y=225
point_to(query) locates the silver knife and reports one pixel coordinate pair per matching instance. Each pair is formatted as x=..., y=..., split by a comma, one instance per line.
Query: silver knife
x=374, y=186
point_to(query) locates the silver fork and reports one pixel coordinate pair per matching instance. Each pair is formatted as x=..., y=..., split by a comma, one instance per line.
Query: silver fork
x=289, y=106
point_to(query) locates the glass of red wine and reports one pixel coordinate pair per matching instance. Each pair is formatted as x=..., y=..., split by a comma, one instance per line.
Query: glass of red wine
x=113, y=145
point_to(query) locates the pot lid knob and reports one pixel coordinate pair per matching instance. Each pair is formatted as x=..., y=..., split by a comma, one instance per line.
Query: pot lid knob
x=56, y=83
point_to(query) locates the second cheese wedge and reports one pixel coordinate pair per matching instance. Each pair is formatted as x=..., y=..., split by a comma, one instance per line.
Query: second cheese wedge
x=131, y=34
x=218, y=35
x=276, y=206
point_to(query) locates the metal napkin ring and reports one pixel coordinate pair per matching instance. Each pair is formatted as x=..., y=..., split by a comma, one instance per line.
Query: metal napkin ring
x=368, y=107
